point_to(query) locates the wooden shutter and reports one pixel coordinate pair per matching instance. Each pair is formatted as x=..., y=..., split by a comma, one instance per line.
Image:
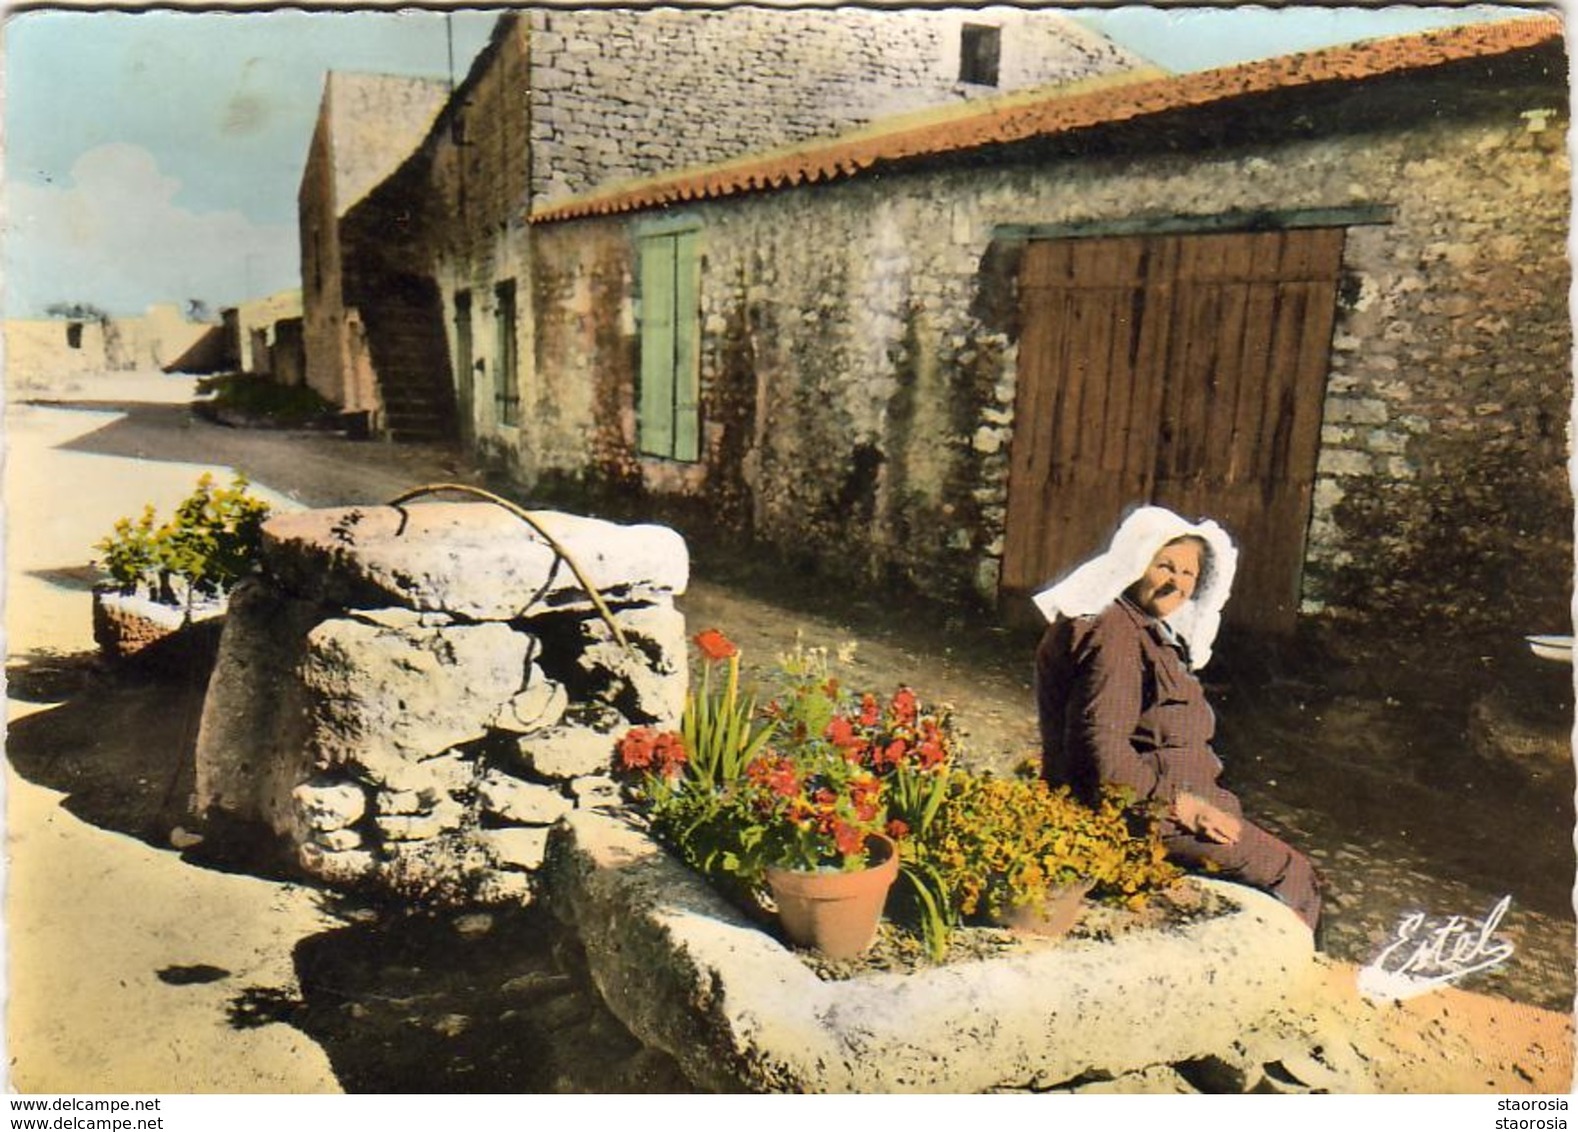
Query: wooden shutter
x=687, y=376
x=669, y=397
x=655, y=399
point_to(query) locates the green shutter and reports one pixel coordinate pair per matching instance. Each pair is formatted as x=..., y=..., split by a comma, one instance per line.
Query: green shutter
x=687, y=378
x=655, y=398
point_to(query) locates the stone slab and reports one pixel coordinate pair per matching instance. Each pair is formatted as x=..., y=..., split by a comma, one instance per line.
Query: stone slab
x=689, y=975
x=475, y=560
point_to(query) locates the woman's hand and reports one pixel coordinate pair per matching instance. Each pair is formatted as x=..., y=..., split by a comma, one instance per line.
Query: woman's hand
x=1202, y=819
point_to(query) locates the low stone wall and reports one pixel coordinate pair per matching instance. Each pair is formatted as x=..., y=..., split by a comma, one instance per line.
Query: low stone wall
x=413, y=696
x=689, y=975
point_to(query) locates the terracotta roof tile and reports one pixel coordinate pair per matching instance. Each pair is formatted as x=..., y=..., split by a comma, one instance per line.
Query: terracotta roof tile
x=1019, y=118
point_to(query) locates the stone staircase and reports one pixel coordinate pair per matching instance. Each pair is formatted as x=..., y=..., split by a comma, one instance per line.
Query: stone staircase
x=405, y=332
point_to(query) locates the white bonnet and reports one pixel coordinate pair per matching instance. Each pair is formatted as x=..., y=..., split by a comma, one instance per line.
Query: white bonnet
x=1094, y=585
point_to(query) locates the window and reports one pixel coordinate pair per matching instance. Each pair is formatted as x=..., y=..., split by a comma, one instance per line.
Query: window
x=74, y=335
x=666, y=401
x=979, y=50
x=505, y=370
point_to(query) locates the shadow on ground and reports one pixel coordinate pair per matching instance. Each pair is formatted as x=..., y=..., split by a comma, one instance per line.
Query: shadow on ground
x=119, y=741
x=457, y=1002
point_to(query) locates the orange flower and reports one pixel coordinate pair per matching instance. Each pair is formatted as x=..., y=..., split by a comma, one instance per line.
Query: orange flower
x=715, y=646
x=870, y=711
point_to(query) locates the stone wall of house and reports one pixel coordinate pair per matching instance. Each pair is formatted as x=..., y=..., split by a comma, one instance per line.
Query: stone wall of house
x=626, y=93
x=859, y=388
x=411, y=697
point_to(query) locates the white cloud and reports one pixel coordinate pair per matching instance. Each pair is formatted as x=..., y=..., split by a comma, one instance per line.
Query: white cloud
x=116, y=238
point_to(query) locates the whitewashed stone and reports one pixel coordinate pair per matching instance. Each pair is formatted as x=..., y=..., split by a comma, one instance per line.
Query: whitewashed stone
x=596, y=790
x=569, y=751
x=515, y=848
x=396, y=618
x=252, y=739
x=541, y=704
x=526, y=802
x=506, y=888
x=434, y=778
x=475, y=560
x=647, y=678
x=659, y=942
x=412, y=693
x=328, y=806
x=340, y=868
x=405, y=801
x=445, y=817
x=338, y=840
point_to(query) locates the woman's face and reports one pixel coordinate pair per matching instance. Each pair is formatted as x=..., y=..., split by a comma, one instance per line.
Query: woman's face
x=1169, y=580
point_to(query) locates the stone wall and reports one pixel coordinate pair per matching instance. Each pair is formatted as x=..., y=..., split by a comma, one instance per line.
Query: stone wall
x=41, y=351
x=618, y=94
x=564, y=100
x=412, y=699
x=858, y=388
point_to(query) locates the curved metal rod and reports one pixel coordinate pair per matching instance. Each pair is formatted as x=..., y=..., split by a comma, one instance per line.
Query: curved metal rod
x=524, y=516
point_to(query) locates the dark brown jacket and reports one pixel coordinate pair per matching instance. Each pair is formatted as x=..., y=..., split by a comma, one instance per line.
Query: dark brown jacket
x=1118, y=704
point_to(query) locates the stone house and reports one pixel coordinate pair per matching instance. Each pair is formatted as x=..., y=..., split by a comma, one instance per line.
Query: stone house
x=1321, y=297
x=367, y=125
x=421, y=301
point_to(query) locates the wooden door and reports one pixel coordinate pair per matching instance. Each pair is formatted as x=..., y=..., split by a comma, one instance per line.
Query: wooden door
x=1183, y=370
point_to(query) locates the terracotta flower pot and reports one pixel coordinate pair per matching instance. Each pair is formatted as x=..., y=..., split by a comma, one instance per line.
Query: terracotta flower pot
x=836, y=912
x=1055, y=916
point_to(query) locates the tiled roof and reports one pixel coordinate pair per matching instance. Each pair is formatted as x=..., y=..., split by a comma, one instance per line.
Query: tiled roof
x=1018, y=118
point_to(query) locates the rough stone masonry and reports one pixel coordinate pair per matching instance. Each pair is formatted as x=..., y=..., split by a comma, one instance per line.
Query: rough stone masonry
x=413, y=695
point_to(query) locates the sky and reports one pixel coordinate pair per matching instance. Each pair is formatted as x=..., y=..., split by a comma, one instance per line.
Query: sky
x=155, y=156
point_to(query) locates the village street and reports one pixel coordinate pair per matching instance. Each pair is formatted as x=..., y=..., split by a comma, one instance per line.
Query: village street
x=128, y=956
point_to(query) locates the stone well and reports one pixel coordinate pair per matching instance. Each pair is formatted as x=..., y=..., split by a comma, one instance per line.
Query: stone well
x=412, y=696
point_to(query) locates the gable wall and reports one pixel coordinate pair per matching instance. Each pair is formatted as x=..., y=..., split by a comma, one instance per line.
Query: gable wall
x=618, y=94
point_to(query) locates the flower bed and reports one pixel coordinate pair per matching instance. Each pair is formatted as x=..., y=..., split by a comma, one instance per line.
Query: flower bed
x=805, y=782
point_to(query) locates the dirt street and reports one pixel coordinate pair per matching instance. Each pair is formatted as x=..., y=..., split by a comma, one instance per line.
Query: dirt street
x=1432, y=785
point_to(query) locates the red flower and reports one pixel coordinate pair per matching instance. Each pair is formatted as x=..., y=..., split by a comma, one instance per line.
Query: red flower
x=669, y=750
x=897, y=829
x=783, y=780
x=870, y=711
x=848, y=839
x=904, y=707
x=715, y=646
x=635, y=749
x=841, y=733
x=890, y=756
x=933, y=752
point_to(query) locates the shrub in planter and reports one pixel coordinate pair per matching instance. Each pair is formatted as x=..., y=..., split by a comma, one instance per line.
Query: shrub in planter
x=165, y=575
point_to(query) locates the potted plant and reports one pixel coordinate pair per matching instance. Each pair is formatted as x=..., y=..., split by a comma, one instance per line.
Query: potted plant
x=791, y=803
x=164, y=577
x=1015, y=852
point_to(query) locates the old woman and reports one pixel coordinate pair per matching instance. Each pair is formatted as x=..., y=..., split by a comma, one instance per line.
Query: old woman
x=1119, y=702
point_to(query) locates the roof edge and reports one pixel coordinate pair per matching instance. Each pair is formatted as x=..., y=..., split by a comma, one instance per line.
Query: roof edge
x=1015, y=117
